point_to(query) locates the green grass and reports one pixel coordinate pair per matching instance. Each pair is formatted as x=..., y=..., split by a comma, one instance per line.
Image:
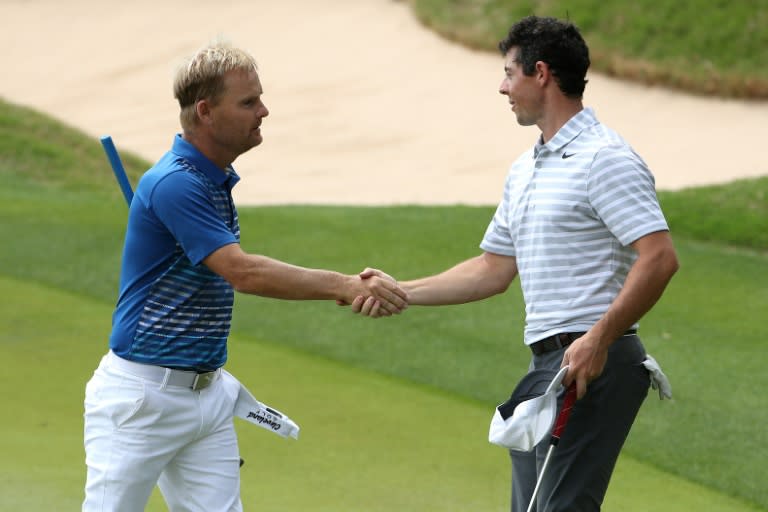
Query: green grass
x=368, y=442
x=702, y=328
x=63, y=234
x=36, y=151
x=717, y=47
x=735, y=213
x=358, y=449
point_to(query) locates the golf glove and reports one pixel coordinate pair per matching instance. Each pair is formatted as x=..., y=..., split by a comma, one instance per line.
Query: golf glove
x=658, y=379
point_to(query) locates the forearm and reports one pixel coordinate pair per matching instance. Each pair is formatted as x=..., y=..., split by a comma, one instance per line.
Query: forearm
x=261, y=275
x=474, y=279
x=267, y=277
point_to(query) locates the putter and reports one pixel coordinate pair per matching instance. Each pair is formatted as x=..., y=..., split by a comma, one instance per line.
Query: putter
x=122, y=180
x=562, y=419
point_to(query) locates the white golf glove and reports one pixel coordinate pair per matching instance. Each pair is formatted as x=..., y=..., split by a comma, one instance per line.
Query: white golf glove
x=658, y=379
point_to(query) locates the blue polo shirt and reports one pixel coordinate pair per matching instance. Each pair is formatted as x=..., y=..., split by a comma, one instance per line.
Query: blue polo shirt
x=172, y=310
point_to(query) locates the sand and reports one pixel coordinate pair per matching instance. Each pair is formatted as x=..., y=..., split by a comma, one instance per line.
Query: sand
x=366, y=106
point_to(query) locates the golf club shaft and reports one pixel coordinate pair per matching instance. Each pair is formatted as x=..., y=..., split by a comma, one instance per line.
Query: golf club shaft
x=538, y=480
x=117, y=168
x=562, y=420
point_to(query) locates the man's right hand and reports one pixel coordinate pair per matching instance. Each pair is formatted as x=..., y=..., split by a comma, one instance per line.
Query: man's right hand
x=376, y=307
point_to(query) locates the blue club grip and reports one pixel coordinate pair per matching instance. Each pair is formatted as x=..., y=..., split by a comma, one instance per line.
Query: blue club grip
x=117, y=168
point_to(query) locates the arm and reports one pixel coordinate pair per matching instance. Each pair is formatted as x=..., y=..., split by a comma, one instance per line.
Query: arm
x=474, y=279
x=261, y=275
x=646, y=281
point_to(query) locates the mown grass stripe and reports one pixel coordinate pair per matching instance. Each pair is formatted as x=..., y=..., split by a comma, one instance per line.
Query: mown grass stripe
x=368, y=442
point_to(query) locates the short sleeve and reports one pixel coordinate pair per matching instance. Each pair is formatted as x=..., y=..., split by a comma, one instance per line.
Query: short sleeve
x=183, y=204
x=622, y=191
x=498, y=238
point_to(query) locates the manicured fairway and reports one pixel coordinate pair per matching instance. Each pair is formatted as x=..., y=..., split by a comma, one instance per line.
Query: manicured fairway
x=368, y=442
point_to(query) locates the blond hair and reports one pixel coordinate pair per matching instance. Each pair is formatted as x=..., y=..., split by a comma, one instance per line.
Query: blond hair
x=201, y=76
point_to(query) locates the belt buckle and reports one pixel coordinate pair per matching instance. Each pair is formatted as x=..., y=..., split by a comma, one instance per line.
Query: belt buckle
x=203, y=380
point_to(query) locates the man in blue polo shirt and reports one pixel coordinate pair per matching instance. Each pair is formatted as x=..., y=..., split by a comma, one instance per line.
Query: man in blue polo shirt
x=580, y=225
x=159, y=408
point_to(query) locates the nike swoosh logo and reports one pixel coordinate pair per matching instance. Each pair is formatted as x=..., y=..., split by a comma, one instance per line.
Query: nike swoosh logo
x=567, y=155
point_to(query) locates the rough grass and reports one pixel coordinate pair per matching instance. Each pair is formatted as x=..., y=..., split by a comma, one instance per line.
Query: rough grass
x=713, y=47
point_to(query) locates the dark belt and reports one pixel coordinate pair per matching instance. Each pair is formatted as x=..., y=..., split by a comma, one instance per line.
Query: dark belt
x=561, y=340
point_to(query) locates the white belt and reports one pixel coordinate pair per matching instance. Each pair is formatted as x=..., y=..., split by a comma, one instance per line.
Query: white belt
x=246, y=406
x=165, y=376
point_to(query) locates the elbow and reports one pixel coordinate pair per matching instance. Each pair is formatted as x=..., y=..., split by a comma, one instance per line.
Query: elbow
x=494, y=287
x=236, y=284
x=673, y=263
x=669, y=264
x=501, y=287
x=497, y=274
x=239, y=281
x=675, y=266
x=232, y=265
x=661, y=255
x=238, y=287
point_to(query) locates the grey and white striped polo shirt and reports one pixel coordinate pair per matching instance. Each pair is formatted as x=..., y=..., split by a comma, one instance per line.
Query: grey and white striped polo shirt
x=570, y=209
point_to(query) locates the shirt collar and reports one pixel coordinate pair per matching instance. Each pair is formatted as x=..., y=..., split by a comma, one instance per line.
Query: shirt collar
x=190, y=153
x=568, y=132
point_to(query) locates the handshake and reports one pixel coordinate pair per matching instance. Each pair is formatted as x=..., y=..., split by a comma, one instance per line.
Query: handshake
x=376, y=294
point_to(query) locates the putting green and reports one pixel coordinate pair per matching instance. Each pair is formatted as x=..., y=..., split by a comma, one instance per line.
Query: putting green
x=368, y=443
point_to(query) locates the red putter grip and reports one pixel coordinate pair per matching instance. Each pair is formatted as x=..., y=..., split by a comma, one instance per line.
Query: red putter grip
x=565, y=412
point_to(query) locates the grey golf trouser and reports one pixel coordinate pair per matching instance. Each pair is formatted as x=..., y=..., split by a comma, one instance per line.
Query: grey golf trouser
x=581, y=465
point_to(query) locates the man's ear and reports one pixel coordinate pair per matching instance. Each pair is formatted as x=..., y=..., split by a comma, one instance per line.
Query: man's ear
x=542, y=73
x=203, y=110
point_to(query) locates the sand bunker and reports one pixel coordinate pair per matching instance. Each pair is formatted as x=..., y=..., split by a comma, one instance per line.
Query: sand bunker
x=367, y=106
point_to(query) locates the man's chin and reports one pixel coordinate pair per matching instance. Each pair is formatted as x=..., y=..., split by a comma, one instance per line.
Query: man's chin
x=525, y=122
x=255, y=141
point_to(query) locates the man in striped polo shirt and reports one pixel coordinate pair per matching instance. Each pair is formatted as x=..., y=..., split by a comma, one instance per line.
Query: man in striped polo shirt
x=580, y=223
x=159, y=409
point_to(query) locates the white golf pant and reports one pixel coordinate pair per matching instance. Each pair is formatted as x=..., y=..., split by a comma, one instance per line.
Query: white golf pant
x=140, y=432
